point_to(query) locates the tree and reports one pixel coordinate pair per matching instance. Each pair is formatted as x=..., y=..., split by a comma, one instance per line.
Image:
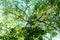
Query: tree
x=29, y=19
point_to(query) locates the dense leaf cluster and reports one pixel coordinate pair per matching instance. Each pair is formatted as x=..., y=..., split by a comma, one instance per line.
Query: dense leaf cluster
x=29, y=19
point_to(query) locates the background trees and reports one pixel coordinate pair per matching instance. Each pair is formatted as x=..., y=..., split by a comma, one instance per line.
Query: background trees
x=29, y=19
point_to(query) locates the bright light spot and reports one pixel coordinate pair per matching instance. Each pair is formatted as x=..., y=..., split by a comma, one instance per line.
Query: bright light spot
x=57, y=37
x=48, y=35
x=0, y=14
x=1, y=11
x=8, y=26
x=1, y=18
x=2, y=33
x=24, y=5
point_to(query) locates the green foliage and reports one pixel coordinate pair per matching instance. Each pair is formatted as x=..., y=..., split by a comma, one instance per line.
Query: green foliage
x=58, y=4
x=29, y=19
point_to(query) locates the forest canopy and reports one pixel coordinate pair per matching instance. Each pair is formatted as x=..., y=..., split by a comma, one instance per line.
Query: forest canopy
x=29, y=19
